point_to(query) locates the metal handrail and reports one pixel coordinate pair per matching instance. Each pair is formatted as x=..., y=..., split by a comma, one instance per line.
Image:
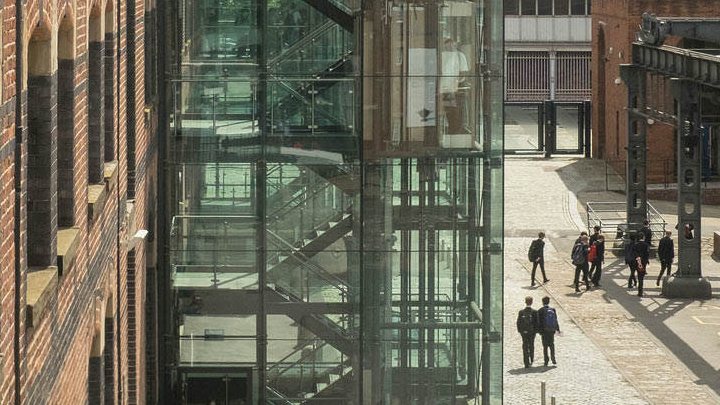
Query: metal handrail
x=310, y=37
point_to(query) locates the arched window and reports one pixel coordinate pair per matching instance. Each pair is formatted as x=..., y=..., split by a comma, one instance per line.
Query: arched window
x=131, y=104
x=96, y=73
x=42, y=150
x=96, y=365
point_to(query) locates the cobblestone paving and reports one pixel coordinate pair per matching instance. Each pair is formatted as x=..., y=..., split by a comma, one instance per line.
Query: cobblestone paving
x=604, y=357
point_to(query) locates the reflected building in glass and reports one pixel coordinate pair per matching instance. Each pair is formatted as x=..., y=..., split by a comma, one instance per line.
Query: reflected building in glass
x=333, y=190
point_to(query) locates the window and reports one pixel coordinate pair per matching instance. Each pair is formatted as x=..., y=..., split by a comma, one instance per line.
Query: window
x=528, y=7
x=544, y=7
x=130, y=94
x=512, y=7
x=96, y=124
x=577, y=7
x=561, y=7
x=109, y=87
x=66, y=123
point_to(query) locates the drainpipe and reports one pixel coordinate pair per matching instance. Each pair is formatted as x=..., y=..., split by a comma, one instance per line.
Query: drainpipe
x=19, y=48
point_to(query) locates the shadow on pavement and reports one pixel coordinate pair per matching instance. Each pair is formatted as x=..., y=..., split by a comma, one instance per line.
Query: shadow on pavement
x=654, y=320
x=531, y=370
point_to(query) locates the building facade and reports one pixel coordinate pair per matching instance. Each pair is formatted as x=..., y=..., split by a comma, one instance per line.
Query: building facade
x=332, y=202
x=78, y=163
x=615, y=27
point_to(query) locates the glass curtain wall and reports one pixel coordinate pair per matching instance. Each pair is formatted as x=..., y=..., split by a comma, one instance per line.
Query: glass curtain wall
x=334, y=178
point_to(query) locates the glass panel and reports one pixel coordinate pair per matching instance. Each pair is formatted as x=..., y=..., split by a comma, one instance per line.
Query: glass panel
x=521, y=127
x=567, y=127
x=512, y=7
x=562, y=7
x=577, y=7
x=545, y=7
x=528, y=7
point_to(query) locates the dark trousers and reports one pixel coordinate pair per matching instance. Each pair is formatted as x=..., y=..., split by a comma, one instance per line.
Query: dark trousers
x=633, y=268
x=584, y=269
x=596, y=271
x=664, y=265
x=641, y=278
x=540, y=262
x=548, y=341
x=528, y=340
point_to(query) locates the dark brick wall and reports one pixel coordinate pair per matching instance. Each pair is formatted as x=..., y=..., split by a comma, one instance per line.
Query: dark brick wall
x=42, y=170
x=96, y=383
x=109, y=355
x=66, y=142
x=96, y=112
x=109, y=89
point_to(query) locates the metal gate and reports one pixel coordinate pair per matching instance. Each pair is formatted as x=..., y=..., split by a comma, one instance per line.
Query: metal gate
x=549, y=128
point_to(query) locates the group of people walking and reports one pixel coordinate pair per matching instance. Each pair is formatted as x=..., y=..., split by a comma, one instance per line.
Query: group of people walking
x=588, y=256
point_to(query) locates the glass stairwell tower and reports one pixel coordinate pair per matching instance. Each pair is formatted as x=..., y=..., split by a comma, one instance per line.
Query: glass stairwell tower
x=332, y=202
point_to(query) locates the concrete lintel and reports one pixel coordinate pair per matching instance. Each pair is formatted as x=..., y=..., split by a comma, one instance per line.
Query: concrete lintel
x=687, y=287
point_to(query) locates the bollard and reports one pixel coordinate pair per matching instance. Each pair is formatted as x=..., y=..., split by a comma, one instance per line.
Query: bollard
x=542, y=393
x=552, y=400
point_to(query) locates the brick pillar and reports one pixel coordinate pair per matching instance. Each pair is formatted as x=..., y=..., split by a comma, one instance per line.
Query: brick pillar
x=42, y=171
x=109, y=89
x=66, y=142
x=96, y=124
x=109, y=356
x=96, y=385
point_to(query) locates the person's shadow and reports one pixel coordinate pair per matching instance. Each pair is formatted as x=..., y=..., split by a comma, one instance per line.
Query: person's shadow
x=530, y=370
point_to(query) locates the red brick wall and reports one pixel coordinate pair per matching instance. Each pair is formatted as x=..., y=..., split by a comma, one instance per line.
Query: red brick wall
x=54, y=355
x=618, y=20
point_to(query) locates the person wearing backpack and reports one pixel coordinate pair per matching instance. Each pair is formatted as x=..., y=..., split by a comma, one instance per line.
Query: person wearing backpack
x=548, y=326
x=527, y=326
x=642, y=258
x=596, y=257
x=536, y=257
x=579, y=259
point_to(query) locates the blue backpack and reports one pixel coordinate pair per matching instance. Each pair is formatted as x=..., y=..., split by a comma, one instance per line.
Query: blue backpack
x=578, y=254
x=551, y=322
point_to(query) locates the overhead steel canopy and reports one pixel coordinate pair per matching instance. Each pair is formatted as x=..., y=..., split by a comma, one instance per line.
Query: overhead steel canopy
x=654, y=30
x=699, y=67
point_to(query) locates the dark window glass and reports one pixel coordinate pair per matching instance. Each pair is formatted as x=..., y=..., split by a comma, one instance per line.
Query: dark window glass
x=528, y=7
x=577, y=7
x=589, y=2
x=512, y=7
x=561, y=7
x=544, y=7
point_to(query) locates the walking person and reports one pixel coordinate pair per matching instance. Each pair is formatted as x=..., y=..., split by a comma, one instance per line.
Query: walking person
x=596, y=256
x=642, y=257
x=646, y=232
x=536, y=256
x=548, y=326
x=666, y=254
x=596, y=234
x=630, y=260
x=579, y=259
x=527, y=326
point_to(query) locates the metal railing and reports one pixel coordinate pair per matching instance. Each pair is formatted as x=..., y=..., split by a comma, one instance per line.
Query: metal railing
x=612, y=216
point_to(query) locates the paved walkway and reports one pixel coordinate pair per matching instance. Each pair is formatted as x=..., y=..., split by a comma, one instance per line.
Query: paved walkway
x=616, y=348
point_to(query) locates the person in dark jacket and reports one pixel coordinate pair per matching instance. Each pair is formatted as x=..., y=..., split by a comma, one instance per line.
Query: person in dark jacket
x=598, y=260
x=582, y=264
x=547, y=331
x=528, y=326
x=630, y=259
x=536, y=256
x=666, y=254
x=596, y=234
x=642, y=257
x=646, y=232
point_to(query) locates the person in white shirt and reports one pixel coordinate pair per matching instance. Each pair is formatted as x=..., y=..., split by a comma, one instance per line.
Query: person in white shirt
x=454, y=63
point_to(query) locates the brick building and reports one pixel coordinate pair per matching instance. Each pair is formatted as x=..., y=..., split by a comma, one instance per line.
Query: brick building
x=614, y=27
x=78, y=163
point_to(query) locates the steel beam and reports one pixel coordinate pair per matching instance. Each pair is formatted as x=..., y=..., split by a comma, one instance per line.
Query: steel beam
x=702, y=68
x=688, y=282
x=654, y=30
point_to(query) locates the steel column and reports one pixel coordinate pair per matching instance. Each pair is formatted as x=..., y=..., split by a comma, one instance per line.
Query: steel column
x=636, y=197
x=688, y=282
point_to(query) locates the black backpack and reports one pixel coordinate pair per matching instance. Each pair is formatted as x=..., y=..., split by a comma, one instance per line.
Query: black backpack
x=526, y=322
